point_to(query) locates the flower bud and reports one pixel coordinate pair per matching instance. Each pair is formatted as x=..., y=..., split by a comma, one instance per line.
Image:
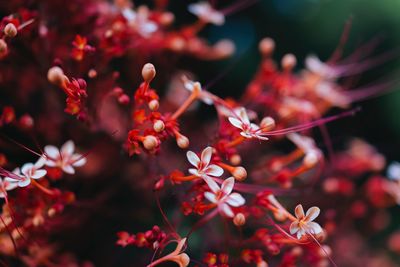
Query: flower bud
x=289, y=61
x=267, y=123
x=235, y=159
x=239, y=173
x=26, y=121
x=10, y=30
x=148, y=72
x=154, y=104
x=182, y=141
x=262, y=264
x=239, y=219
x=92, y=73
x=150, y=142
x=159, y=126
x=266, y=46
x=123, y=99
x=55, y=75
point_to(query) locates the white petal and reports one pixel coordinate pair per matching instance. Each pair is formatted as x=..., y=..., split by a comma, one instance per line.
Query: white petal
x=294, y=227
x=26, y=168
x=25, y=182
x=194, y=172
x=243, y=116
x=52, y=152
x=226, y=210
x=262, y=137
x=41, y=161
x=211, y=183
x=214, y=170
x=78, y=160
x=68, y=148
x=244, y=134
x=193, y=158
x=235, y=122
x=300, y=233
x=299, y=211
x=51, y=163
x=314, y=228
x=39, y=174
x=235, y=200
x=68, y=169
x=211, y=197
x=393, y=171
x=227, y=185
x=10, y=184
x=206, y=156
x=312, y=213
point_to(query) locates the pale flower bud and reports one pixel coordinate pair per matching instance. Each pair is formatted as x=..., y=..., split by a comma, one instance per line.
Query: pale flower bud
x=182, y=141
x=235, y=159
x=10, y=30
x=154, y=104
x=262, y=264
x=148, y=72
x=267, y=124
x=150, y=142
x=239, y=219
x=289, y=61
x=239, y=173
x=55, y=75
x=159, y=126
x=266, y=46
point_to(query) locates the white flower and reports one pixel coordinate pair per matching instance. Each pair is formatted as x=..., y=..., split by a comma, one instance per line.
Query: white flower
x=64, y=158
x=27, y=172
x=393, y=171
x=315, y=65
x=306, y=144
x=191, y=85
x=304, y=223
x=202, y=164
x=223, y=196
x=178, y=256
x=139, y=20
x=7, y=184
x=205, y=12
x=249, y=130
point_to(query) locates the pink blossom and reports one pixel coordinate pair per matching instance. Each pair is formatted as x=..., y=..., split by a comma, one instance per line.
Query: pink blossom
x=304, y=223
x=202, y=164
x=65, y=158
x=205, y=12
x=27, y=172
x=223, y=196
x=249, y=130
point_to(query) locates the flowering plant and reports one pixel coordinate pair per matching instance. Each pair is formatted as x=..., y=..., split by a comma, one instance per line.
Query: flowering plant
x=101, y=150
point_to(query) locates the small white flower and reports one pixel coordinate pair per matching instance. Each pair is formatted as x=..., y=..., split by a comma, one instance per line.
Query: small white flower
x=304, y=223
x=306, y=144
x=249, y=130
x=393, y=171
x=223, y=196
x=27, y=172
x=65, y=158
x=190, y=86
x=202, y=164
x=139, y=20
x=315, y=65
x=205, y=12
